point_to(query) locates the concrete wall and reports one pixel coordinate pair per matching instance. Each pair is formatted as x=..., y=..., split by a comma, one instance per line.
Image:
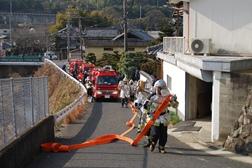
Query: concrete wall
x=20, y=152
x=23, y=71
x=100, y=50
x=199, y=98
x=234, y=89
x=192, y=97
x=227, y=22
x=178, y=85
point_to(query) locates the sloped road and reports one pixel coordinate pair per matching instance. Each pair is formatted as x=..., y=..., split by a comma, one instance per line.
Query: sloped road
x=108, y=117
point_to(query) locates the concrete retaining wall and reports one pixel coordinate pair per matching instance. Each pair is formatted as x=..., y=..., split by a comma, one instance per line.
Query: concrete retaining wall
x=23, y=71
x=20, y=152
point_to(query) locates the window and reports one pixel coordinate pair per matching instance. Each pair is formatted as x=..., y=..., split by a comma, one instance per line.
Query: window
x=169, y=82
x=108, y=49
x=107, y=80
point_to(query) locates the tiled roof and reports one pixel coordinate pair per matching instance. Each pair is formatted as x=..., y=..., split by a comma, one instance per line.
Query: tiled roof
x=153, y=50
x=102, y=33
x=138, y=33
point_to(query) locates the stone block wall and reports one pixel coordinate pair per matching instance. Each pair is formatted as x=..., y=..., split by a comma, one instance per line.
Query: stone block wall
x=234, y=89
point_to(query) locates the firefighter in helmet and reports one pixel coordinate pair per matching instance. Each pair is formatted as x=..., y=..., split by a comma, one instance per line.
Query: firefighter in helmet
x=158, y=132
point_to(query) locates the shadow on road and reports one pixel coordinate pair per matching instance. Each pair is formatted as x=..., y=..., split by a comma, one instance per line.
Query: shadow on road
x=90, y=120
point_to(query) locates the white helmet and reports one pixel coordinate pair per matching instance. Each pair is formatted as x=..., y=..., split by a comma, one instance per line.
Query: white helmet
x=125, y=79
x=138, y=103
x=160, y=83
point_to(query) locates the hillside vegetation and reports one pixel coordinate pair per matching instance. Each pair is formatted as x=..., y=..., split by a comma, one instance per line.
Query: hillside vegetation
x=61, y=90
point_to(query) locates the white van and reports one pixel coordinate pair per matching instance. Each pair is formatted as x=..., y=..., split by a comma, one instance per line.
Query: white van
x=50, y=55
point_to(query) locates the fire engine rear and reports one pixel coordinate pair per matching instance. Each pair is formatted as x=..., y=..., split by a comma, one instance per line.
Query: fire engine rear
x=105, y=83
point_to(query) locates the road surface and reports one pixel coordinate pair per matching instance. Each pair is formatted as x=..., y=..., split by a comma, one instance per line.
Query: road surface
x=108, y=117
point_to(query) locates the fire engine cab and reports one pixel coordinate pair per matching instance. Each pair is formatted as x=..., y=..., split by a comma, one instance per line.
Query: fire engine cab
x=105, y=83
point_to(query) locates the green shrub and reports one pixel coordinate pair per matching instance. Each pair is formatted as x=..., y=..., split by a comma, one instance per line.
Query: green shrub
x=174, y=118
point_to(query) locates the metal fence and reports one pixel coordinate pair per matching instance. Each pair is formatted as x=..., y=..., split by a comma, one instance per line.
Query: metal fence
x=22, y=58
x=23, y=103
x=148, y=79
x=173, y=44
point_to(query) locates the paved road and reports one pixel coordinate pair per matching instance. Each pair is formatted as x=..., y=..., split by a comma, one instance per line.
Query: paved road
x=108, y=117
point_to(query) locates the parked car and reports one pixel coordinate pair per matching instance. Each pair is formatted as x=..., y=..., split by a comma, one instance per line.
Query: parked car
x=50, y=55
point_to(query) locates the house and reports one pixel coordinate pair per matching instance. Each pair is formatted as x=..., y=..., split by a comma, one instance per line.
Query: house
x=110, y=40
x=4, y=45
x=4, y=35
x=59, y=42
x=5, y=31
x=209, y=67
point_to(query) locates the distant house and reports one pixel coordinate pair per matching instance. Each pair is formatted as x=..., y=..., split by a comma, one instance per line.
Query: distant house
x=209, y=67
x=4, y=35
x=109, y=40
x=4, y=45
x=4, y=31
x=62, y=38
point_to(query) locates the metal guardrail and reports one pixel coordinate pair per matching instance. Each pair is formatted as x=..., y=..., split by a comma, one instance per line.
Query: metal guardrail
x=23, y=104
x=148, y=79
x=22, y=58
x=68, y=109
x=173, y=44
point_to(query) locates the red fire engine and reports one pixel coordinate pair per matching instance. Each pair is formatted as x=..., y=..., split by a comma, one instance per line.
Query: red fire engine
x=80, y=69
x=105, y=83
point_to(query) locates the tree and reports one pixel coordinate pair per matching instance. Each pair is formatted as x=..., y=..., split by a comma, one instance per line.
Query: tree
x=90, y=58
x=151, y=66
x=109, y=59
x=129, y=63
x=73, y=14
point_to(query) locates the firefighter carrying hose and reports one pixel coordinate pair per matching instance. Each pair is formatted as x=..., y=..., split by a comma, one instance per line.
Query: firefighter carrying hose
x=158, y=132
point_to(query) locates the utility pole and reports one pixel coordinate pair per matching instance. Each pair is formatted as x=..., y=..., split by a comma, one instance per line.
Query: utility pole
x=10, y=22
x=68, y=37
x=80, y=34
x=97, y=5
x=140, y=9
x=125, y=14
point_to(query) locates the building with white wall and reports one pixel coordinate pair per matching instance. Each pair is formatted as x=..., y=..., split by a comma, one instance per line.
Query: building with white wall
x=209, y=67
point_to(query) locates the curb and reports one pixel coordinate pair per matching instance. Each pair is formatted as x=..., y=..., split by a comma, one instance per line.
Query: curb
x=213, y=149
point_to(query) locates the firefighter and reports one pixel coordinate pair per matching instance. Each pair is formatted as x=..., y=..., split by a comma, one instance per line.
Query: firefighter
x=138, y=103
x=158, y=132
x=132, y=90
x=124, y=92
x=89, y=87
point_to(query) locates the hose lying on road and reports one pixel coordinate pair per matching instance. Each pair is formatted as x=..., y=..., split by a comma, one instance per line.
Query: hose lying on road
x=57, y=147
